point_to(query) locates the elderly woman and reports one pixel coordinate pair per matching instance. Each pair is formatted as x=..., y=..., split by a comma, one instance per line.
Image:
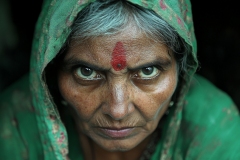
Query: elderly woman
x=116, y=80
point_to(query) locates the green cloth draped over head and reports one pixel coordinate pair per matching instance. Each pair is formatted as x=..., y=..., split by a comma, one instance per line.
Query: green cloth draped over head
x=199, y=127
x=53, y=27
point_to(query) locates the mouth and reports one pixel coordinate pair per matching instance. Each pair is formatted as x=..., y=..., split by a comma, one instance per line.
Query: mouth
x=116, y=133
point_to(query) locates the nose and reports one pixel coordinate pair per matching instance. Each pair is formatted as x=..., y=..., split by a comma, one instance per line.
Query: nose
x=118, y=103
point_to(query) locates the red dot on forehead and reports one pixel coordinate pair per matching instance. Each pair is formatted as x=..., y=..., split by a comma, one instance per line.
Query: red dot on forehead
x=118, y=61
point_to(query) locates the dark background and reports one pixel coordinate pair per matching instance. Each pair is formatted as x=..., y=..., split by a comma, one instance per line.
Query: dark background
x=217, y=28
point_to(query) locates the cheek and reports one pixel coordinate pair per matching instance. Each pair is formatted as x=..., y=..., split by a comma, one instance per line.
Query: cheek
x=154, y=103
x=82, y=100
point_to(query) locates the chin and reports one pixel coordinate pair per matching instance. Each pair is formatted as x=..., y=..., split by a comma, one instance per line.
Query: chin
x=118, y=145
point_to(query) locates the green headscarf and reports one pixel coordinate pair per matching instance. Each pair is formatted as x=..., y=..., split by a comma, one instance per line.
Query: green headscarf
x=52, y=30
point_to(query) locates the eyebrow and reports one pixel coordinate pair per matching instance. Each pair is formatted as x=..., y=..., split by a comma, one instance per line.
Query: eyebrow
x=75, y=62
x=164, y=63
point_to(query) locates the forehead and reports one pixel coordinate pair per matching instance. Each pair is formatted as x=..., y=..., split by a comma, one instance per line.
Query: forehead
x=136, y=45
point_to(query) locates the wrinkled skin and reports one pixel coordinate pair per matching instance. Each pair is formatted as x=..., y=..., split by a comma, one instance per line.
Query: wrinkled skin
x=118, y=109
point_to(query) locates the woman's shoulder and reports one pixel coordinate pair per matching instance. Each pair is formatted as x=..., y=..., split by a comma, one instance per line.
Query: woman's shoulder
x=202, y=89
x=16, y=97
x=210, y=122
x=207, y=105
x=19, y=133
x=16, y=92
x=204, y=97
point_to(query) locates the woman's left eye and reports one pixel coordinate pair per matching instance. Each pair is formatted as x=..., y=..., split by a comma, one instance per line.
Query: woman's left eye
x=148, y=72
x=86, y=73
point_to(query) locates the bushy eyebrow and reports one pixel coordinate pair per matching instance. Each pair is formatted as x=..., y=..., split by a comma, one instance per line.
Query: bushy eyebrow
x=164, y=63
x=75, y=62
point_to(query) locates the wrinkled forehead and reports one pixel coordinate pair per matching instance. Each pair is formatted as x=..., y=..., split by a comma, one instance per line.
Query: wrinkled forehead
x=128, y=48
x=131, y=38
x=112, y=47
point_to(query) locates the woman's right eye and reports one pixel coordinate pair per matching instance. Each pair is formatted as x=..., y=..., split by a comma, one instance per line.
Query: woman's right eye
x=86, y=73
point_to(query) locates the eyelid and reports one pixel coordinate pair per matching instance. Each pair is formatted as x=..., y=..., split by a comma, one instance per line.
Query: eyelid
x=98, y=76
x=84, y=67
x=150, y=77
x=158, y=67
x=98, y=72
x=160, y=64
x=77, y=63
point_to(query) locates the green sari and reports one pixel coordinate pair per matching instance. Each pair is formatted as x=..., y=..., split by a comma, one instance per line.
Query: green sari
x=204, y=124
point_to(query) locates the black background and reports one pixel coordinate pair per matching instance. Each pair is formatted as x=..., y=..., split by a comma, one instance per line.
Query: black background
x=217, y=28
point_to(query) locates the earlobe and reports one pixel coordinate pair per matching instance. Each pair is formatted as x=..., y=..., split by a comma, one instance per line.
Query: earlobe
x=171, y=103
x=64, y=103
x=169, y=106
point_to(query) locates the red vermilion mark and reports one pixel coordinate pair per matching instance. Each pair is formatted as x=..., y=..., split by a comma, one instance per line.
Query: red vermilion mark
x=118, y=61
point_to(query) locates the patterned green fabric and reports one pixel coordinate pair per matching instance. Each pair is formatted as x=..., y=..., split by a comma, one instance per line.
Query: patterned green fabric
x=203, y=125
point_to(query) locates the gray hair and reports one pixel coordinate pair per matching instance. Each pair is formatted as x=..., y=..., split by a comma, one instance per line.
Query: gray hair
x=102, y=18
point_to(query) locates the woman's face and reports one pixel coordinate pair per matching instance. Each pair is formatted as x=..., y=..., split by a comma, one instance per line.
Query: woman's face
x=119, y=86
